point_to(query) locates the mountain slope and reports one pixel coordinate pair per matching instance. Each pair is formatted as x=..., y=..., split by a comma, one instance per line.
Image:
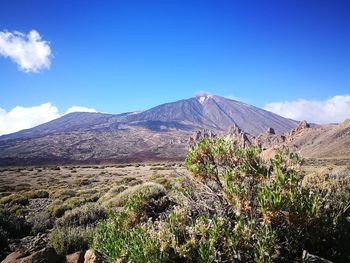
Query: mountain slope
x=331, y=141
x=217, y=113
x=161, y=132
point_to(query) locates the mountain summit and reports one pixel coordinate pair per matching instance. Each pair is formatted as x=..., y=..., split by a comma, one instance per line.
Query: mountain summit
x=216, y=113
x=161, y=132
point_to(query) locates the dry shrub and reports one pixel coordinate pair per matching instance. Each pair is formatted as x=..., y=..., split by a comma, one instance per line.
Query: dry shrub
x=149, y=189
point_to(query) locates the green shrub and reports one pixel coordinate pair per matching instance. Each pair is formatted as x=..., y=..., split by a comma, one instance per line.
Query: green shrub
x=81, y=182
x=63, y=194
x=14, y=199
x=85, y=215
x=67, y=240
x=75, y=201
x=37, y=194
x=235, y=206
x=3, y=239
x=18, y=210
x=129, y=181
x=57, y=208
x=119, y=237
x=15, y=226
x=115, y=190
x=149, y=190
x=40, y=222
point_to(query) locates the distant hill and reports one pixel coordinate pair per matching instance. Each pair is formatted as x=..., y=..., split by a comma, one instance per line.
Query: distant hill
x=159, y=133
x=328, y=141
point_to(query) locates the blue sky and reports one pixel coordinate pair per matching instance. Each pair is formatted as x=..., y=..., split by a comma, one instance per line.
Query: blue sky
x=119, y=56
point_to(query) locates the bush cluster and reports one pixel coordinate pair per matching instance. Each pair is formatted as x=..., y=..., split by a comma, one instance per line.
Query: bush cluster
x=69, y=239
x=234, y=206
x=74, y=231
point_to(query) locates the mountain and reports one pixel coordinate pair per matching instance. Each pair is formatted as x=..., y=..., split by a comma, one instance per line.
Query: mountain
x=159, y=133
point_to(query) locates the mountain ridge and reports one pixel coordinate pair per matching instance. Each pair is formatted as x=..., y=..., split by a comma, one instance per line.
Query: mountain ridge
x=161, y=132
x=187, y=111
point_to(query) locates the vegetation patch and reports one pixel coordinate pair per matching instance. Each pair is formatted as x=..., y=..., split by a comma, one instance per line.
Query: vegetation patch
x=149, y=189
x=14, y=199
x=66, y=240
x=85, y=215
x=233, y=207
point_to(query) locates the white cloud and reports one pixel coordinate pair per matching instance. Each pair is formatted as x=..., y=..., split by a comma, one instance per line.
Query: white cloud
x=332, y=110
x=29, y=52
x=79, y=109
x=203, y=93
x=20, y=118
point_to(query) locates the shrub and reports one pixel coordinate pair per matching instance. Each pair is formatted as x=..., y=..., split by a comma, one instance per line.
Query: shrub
x=63, y=194
x=115, y=190
x=40, y=222
x=57, y=208
x=3, y=239
x=13, y=225
x=14, y=199
x=119, y=237
x=130, y=181
x=149, y=190
x=37, y=194
x=81, y=182
x=85, y=215
x=18, y=210
x=235, y=206
x=67, y=240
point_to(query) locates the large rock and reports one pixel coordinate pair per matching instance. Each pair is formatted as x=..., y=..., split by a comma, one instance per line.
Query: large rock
x=45, y=255
x=302, y=127
x=14, y=257
x=77, y=257
x=92, y=257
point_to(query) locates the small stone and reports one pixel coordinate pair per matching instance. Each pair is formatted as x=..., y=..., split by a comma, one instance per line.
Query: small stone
x=270, y=131
x=309, y=258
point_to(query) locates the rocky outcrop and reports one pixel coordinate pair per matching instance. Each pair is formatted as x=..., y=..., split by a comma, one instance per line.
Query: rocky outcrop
x=302, y=127
x=237, y=134
x=268, y=139
x=198, y=135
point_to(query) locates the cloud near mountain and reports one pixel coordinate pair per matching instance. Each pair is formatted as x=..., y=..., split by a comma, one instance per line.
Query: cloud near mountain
x=28, y=51
x=335, y=109
x=20, y=118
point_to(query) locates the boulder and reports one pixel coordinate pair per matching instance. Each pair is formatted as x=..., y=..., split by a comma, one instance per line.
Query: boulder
x=45, y=255
x=92, y=257
x=77, y=257
x=14, y=257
